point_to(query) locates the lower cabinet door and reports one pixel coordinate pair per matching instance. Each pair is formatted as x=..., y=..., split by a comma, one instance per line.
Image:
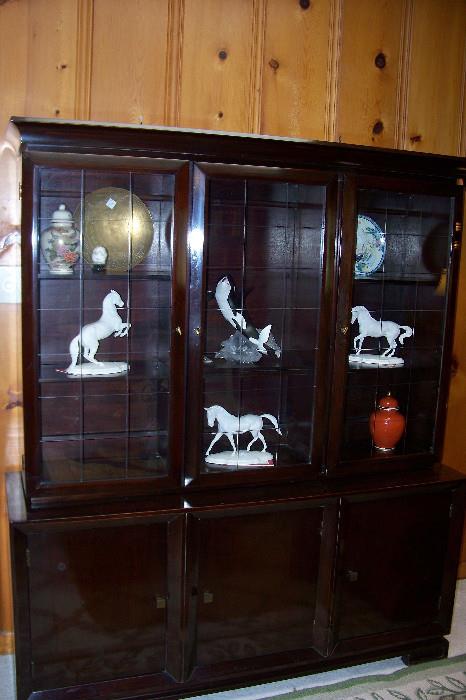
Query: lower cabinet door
x=256, y=587
x=97, y=603
x=391, y=575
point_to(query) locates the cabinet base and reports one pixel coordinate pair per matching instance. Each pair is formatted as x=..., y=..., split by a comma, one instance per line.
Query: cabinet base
x=437, y=649
x=247, y=672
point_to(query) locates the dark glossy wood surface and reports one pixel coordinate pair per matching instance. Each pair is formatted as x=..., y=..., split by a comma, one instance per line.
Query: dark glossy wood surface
x=98, y=602
x=252, y=584
x=262, y=225
x=83, y=137
x=256, y=584
x=400, y=584
x=139, y=571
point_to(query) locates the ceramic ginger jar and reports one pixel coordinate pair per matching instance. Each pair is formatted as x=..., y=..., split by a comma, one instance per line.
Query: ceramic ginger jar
x=60, y=242
x=387, y=424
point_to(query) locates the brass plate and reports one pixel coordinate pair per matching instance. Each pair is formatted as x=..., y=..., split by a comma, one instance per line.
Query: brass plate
x=118, y=221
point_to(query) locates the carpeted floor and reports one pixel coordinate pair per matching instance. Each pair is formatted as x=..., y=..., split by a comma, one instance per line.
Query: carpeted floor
x=323, y=684
x=437, y=680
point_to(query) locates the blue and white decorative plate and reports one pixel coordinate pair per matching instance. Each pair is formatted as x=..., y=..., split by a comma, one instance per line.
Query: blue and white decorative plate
x=370, y=247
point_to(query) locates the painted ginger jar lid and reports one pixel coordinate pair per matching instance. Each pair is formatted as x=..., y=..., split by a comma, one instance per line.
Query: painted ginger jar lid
x=62, y=215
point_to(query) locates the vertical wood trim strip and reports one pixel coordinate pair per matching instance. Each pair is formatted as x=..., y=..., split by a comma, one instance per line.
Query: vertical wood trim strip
x=333, y=69
x=84, y=41
x=7, y=643
x=173, y=64
x=257, y=65
x=404, y=73
x=462, y=119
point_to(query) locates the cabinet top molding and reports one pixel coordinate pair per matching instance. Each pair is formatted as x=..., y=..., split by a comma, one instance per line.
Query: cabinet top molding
x=59, y=135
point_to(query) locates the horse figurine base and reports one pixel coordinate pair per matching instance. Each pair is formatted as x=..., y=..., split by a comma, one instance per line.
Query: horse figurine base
x=375, y=361
x=103, y=369
x=241, y=459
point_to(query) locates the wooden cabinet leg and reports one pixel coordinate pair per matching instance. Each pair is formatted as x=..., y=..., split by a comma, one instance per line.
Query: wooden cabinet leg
x=436, y=649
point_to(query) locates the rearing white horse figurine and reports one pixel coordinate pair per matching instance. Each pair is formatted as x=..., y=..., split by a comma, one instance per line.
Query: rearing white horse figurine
x=92, y=333
x=230, y=425
x=369, y=327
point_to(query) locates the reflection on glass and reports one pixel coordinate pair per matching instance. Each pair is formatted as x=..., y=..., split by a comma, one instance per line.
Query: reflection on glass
x=263, y=277
x=109, y=425
x=401, y=284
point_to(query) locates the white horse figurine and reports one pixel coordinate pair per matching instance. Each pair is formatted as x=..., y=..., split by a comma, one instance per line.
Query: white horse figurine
x=369, y=327
x=230, y=425
x=92, y=333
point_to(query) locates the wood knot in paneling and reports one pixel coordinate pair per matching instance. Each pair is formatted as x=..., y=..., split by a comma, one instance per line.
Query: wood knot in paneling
x=380, y=60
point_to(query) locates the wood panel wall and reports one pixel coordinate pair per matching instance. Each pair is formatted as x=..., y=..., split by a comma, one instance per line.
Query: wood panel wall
x=386, y=73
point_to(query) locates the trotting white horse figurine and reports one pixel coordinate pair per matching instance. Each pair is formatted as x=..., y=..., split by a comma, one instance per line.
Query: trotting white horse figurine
x=370, y=327
x=91, y=334
x=230, y=425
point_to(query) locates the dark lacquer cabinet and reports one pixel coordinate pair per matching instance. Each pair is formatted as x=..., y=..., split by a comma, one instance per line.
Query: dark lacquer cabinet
x=236, y=354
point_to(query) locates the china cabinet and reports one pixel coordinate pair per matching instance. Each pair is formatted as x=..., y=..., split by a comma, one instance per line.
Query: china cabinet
x=215, y=328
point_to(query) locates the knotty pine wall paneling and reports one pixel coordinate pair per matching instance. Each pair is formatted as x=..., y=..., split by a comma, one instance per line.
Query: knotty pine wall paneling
x=13, y=60
x=51, y=58
x=129, y=49
x=217, y=65
x=454, y=452
x=370, y=72
x=436, y=74
x=388, y=73
x=297, y=76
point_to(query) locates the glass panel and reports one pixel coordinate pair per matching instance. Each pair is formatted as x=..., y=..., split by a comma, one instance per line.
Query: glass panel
x=398, y=318
x=256, y=600
x=399, y=585
x=92, y=595
x=104, y=262
x=263, y=278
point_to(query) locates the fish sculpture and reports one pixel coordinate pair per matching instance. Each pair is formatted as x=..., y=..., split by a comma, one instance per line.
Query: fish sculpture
x=229, y=303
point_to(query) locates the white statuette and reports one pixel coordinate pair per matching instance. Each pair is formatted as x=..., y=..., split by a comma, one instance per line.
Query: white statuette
x=369, y=327
x=87, y=340
x=229, y=426
x=249, y=343
x=99, y=255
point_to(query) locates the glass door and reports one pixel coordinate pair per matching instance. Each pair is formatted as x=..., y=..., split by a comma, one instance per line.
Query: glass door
x=393, y=326
x=102, y=267
x=261, y=322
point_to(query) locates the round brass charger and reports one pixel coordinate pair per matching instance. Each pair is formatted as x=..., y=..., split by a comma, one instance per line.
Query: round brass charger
x=120, y=222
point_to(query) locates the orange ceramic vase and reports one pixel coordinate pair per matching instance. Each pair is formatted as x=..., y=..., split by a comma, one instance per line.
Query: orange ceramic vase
x=386, y=424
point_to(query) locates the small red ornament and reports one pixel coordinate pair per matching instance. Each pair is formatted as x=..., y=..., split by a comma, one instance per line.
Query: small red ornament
x=387, y=424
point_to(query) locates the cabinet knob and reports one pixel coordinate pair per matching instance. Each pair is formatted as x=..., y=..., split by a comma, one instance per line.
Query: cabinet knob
x=197, y=331
x=344, y=330
x=351, y=576
x=178, y=330
x=160, y=601
x=208, y=597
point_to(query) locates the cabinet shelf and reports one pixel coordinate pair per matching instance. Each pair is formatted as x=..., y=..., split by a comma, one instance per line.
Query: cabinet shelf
x=89, y=437
x=138, y=370
x=89, y=276
x=390, y=277
x=76, y=195
x=222, y=366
